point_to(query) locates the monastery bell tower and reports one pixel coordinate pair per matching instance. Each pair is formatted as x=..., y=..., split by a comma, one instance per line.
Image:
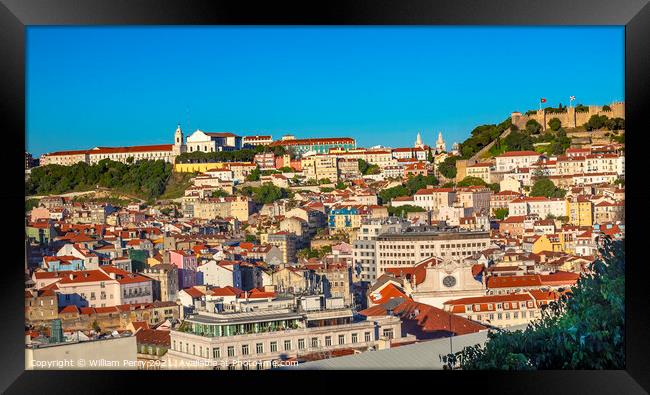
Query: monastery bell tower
x=179, y=141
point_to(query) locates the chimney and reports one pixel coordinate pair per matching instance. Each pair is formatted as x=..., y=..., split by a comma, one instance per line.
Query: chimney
x=112, y=275
x=71, y=276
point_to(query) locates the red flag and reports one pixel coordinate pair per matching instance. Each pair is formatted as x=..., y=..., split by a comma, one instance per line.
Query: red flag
x=543, y=100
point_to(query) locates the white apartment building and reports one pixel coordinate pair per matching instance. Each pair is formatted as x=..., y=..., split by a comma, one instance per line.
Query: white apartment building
x=252, y=340
x=406, y=248
x=515, y=159
x=363, y=248
x=541, y=206
x=432, y=198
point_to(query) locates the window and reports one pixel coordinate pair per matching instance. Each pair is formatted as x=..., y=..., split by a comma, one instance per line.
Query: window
x=194, y=349
x=388, y=333
x=301, y=344
x=287, y=345
x=354, y=338
x=259, y=348
x=500, y=316
x=367, y=336
x=341, y=339
x=274, y=346
x=216, y=353
x=231, y=351
x=314, y=342
x=328, y=340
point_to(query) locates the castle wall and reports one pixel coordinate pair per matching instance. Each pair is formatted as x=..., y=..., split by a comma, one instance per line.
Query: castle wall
x=570, y=118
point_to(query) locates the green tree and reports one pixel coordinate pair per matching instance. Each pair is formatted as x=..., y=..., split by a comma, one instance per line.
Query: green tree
x=533, y=127
x=324, y=181
x=326, y=189
x=596, y=122
x=415, y=183
x=448, y=167
x=585, y=329
x=545, y=187
x=254, y=175
x=31, y=204
x=219, y=193
x=251, y=238
x=501, y=213
x=615, y=124
x=363, y=166
x=341, y=185
x=555, y=124
x=389, y=194
x=268, y=193
x=517, y=141
x=471, y=181
x=399, y=211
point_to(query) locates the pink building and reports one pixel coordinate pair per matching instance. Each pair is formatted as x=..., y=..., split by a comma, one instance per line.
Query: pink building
x=186, y=264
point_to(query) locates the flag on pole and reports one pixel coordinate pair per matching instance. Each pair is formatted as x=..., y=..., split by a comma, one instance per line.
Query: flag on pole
x=572, y=98
x=543, y=100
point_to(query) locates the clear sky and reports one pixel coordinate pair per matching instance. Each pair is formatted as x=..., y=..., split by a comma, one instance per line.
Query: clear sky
x=113, y=86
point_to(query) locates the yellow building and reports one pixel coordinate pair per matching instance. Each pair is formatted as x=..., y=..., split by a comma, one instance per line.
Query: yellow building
x=553, y=242
x=198, y=167
x=231, y=206
x=580, y=211
x=320, y=167
x=479, y=170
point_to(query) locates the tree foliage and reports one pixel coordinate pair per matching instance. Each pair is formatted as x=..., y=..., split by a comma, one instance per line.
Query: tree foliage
x=389, y=194
x=144, y=178
x=415, y=183
x=533, y=127
x=545, y=187
x=585, y=329
x=268, y=193
x=31, y=204
x=555, y=124
x=254, y=174
x=518, y=141
x=448, y=167
x=412, y=185
x=471, y=181
x=501, y=213
x=367, y=169
x=407, y=208
x=318, y=253
x=482, y=136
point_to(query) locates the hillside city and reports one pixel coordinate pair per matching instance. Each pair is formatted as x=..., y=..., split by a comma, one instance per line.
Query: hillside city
x=228, y=251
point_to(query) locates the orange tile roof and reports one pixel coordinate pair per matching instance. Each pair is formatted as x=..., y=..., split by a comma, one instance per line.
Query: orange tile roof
x=519, y=153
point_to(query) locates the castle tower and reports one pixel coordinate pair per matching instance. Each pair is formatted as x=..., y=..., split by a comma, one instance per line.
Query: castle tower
x=179, y=141
x=440, y=144
x=418, y=141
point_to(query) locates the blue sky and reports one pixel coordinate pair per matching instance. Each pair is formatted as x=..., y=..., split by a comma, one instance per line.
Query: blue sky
x=89, y=86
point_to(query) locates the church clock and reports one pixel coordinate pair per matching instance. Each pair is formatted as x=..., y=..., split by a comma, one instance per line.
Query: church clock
x=449, y=281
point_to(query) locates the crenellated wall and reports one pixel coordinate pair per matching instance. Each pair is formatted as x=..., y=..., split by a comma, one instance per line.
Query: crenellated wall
x=571, y=118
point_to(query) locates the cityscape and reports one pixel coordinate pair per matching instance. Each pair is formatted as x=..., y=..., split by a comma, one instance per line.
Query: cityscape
x=231, y=250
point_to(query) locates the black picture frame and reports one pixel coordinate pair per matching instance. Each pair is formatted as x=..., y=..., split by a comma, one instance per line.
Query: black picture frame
x=15, y=15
